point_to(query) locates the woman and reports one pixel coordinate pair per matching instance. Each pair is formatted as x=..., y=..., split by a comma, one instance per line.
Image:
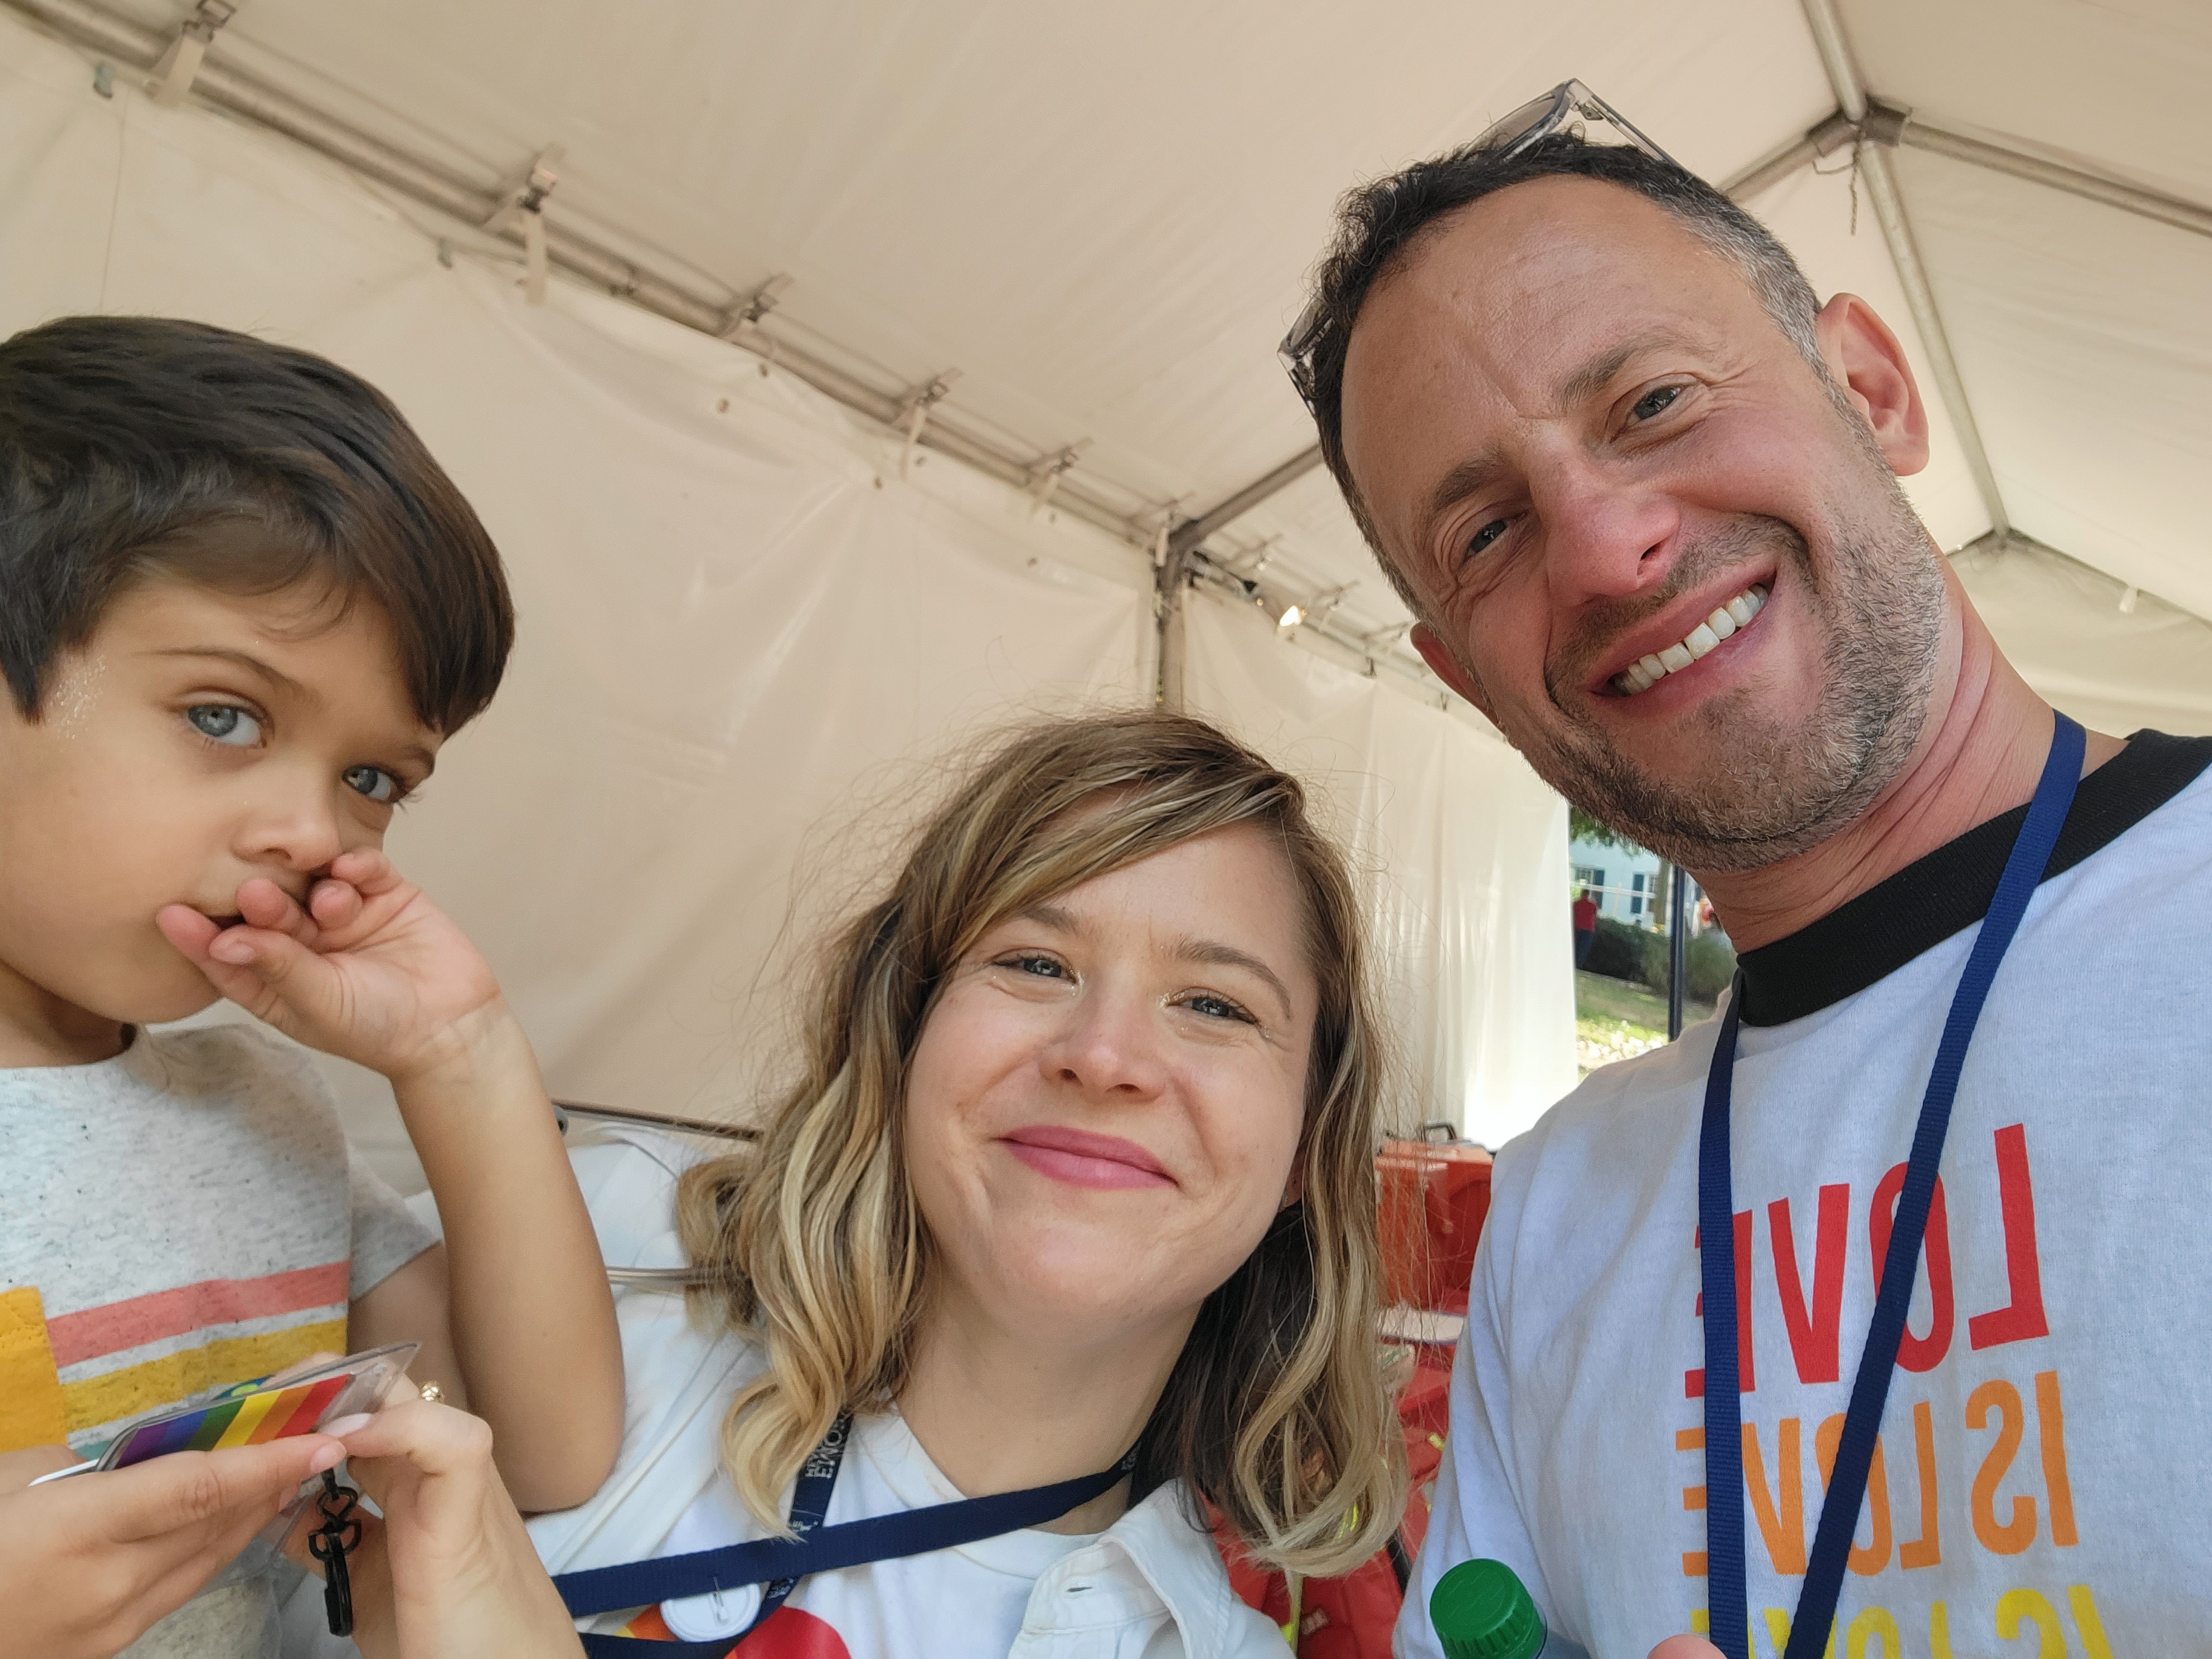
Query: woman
x=1080, y=1179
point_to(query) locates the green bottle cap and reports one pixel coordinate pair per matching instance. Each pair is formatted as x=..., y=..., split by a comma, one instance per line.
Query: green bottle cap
x=1481, y=1611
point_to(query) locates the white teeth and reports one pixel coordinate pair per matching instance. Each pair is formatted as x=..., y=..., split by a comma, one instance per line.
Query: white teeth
x=1646, y=672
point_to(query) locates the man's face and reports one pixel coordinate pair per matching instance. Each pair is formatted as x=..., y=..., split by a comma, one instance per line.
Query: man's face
x=1587, y=446
x=196, y=740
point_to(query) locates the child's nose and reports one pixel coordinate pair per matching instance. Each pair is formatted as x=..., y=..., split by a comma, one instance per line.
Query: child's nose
x=297, y=828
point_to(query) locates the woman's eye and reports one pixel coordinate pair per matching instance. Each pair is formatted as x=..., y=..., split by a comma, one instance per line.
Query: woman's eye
x=1041, y=967
x=372, y=783
x=1214, y=1007
x=1655, y=402
x=225, y=723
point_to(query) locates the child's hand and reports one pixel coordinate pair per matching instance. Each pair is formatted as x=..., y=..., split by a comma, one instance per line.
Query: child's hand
x=369, y=970
x=87, y=1564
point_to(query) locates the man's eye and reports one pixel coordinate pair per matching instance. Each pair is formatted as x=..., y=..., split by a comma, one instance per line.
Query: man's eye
x=1480, y=541
x=224, y=723
x=372, y=782
x=1655, y=402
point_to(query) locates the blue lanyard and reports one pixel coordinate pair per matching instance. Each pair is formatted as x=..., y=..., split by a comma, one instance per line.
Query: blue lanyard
x=780, y=1563
x=1725, y=1592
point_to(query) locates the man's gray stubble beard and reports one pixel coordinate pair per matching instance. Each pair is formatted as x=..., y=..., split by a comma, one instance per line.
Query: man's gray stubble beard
x=1776, y=792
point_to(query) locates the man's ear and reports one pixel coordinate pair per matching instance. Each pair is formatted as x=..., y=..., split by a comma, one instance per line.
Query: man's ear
x=1871, y=367
x=1447, y=669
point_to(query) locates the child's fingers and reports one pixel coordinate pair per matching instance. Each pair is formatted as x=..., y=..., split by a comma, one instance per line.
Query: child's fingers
x=187, y=929
x=265, y=905
x=366, y=869
x=266, y=958
x=335, y=905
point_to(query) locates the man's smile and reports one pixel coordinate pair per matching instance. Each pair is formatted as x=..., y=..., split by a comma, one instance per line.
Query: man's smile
x=1647, y=671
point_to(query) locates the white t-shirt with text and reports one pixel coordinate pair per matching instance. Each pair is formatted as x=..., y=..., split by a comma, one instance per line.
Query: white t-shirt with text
x=2041, y=1486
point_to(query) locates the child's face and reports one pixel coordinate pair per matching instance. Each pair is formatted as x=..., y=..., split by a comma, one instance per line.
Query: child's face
x=196, y=740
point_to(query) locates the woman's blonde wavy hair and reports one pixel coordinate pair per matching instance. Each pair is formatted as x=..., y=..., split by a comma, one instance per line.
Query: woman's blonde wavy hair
x=1277, y=1411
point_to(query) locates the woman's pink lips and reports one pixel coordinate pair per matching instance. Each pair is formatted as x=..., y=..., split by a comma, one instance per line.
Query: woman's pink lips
x=1083, y=1159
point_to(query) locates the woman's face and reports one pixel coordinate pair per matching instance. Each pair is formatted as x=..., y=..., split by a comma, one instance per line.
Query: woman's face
x=1102, y=1112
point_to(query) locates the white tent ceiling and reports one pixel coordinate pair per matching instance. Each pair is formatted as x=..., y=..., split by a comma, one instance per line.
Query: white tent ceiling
x=1103, y=217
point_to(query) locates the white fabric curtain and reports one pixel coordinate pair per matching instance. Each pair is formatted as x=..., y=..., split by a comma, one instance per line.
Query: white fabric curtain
x=745, y=636
x=741, y=628
x=1461, y=851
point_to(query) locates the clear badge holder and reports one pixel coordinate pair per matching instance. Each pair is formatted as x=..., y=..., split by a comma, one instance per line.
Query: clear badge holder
x=252, y=1414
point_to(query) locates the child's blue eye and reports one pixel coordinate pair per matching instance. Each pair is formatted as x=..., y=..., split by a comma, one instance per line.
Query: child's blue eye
x=225, y=723
x=372, y=782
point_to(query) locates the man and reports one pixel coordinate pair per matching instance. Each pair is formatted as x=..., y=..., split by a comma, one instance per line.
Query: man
x=1584, y=913
x=1640, y=488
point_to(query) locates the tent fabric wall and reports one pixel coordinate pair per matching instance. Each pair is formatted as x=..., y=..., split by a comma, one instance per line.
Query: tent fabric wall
x=1461, y=851
x=739, y=623
x=745, y=632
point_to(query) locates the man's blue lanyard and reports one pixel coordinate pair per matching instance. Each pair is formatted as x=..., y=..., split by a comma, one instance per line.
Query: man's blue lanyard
x=1725, y=1592
x=780, y=1563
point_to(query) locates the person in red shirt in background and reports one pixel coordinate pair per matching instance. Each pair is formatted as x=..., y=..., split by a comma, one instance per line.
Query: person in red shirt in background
x=1585, y=913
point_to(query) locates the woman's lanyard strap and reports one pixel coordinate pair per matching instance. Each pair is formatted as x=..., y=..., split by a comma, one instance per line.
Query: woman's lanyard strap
x=1725, y=1587
x=781, y=1563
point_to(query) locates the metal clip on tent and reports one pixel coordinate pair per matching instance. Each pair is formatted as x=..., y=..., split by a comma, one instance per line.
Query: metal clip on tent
x=913, y=413
x=523, y=208
x=1046, y=475
x=745, y=316
x=180, y=64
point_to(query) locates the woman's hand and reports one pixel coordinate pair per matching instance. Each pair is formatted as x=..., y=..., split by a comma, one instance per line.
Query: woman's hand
x=87, y=1564
x=1685, y=1647
x=450, y=1572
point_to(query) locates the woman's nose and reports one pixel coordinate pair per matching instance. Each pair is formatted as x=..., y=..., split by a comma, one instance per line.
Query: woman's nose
x=1109, y=1049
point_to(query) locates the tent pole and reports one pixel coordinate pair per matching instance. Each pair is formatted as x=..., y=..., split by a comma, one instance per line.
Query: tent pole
x=1905, y=252
x=2113, y=192
x=1189, y=535
x=1677, y=882
x=1170, y=603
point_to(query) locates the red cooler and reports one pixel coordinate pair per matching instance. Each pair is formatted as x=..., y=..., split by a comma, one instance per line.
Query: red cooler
x=1434, y=1194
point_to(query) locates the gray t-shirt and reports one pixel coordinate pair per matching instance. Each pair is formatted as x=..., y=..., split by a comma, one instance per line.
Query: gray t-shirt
x=181, y=1217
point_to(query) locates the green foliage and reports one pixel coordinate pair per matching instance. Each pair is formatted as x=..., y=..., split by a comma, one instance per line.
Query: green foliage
x=1633, y=954
x=1708, y=965
x=1621, y=951
x=1581, y=826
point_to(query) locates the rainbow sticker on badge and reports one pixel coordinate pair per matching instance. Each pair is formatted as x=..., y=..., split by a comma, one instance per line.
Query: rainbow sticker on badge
x=253, y=1413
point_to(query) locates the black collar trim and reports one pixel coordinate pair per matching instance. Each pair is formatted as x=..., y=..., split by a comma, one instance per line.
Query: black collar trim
x=1950, y=890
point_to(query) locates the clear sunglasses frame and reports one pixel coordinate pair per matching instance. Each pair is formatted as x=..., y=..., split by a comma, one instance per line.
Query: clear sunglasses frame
x=1564, y=106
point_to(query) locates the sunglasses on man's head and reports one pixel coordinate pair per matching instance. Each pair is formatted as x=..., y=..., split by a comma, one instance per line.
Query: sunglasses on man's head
x=1570, y=105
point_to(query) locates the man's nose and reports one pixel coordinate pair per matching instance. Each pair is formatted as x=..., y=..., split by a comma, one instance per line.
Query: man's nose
x=1109, y=1049
x=1605, y=537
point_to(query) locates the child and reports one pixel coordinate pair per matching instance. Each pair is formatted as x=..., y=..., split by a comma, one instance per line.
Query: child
x=240, y=608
